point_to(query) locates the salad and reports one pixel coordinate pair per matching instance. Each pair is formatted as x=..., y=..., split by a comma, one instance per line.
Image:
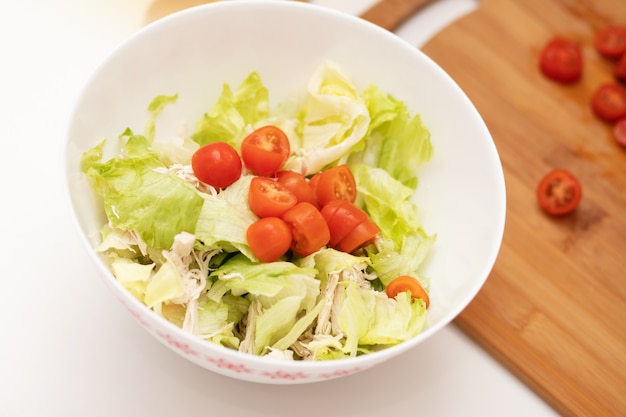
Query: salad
x=333, y=272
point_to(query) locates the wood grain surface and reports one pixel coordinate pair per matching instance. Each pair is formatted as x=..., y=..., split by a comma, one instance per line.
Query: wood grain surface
x=554, y=308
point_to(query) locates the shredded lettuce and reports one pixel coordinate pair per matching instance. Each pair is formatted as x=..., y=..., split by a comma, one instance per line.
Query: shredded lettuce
x=180, y=247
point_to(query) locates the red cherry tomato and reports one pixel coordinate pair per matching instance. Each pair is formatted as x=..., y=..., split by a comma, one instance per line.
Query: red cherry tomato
x=620, y=69
x=362, y=234
x=336, y=183
x=609, y=102
x=315, y=179
x=342, y=217
x=559, y=192
x=217, y=164
x=269, y=198
x=269, y=238
x=308, y=228
x=297, y=184
x=407, y=283
x=611, y=41
x=561, y=60
x=265, y=150
x=619, y=131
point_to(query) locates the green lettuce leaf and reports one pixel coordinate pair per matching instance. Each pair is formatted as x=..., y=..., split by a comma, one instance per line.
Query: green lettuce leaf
x=334, y=121
x=216, y=320
x=397, y=141
x=224, y=218
x=275, y=322
x=405, y=244
x=283, y=294
x=155, y=108
x=371, y=318
x=165, y=284
x=267, y=281
x=233, y=111
x=132, y=275
x=328, y=260
x=139, y=195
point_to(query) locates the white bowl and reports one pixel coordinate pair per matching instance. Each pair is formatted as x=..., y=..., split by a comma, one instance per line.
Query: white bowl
x=195, y=51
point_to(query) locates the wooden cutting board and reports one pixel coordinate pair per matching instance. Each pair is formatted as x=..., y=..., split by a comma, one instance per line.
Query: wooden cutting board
x=554, y=308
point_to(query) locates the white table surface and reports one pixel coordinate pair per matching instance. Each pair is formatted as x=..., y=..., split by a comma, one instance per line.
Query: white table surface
x=67, y=348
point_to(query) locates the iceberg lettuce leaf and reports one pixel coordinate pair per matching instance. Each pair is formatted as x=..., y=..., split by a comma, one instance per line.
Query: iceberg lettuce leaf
x=264, y=280
x=371, y=318
x=164, y=285
x=155, y=108
x=224, y=218
x=397, y=141
x=334, y=120
x=275, y=322
x=233, y=111
x=139, y=196
x=404, y=244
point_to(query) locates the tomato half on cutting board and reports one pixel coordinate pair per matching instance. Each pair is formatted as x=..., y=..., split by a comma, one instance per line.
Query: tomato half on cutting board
x=609, y=102
x=559, y=192
x=619, y=132
x=561, y=60
x=611, y=41
x=620, y=69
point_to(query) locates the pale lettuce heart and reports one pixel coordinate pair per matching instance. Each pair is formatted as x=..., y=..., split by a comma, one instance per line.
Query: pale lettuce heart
x=334, y=121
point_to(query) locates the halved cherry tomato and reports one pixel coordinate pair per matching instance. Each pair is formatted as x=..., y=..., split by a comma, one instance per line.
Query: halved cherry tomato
x=217, y=164
x=559, y=192
x=308, y=228
x=620, y=69
x=265, y=150
x=611, y=41
x=342, y=217
x=561, y=60
x=609, y=102
x=269, y=238
x=619, y=131
x=407, y=283
x=362, y=234
x=336, y=183
x=313, y=182
x=297, y=184
x=269, y=198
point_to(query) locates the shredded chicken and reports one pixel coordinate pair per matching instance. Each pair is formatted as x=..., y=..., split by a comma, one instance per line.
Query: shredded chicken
x=331, y=294
x=131, y=238
x=323, y=320
x=185, y=172
x=280, y=354
x=192, y=279
x=247, y=344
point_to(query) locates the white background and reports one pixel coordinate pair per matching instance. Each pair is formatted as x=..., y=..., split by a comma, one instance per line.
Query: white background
x=67, y=348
